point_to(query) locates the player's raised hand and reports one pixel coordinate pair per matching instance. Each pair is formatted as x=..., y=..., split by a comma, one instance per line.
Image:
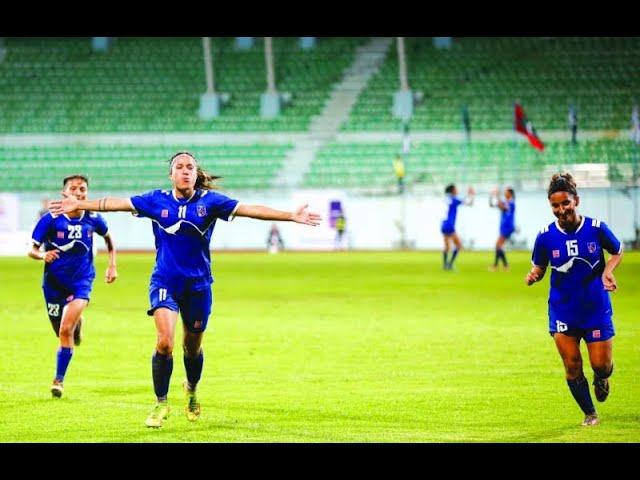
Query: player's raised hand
x=302, y=215
x=609, y=281
x=68, y=204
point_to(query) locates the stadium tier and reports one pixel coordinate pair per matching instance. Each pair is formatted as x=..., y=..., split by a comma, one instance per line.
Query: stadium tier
x=131, y=168
x=546, y=74
x=59, y=85
x=370, y=165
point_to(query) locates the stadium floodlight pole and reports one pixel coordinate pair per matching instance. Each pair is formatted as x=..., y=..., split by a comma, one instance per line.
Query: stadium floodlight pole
x=268, y=58
x=402, y=65
x=208, y=65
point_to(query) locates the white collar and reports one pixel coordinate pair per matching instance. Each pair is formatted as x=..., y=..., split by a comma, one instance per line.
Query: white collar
x=173, y=193
x=79, y=218
x=577, y=229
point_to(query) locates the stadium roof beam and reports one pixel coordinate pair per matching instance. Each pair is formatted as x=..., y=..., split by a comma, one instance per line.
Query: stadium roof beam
x=210, y=101
x=270, y=101
x=403, y=98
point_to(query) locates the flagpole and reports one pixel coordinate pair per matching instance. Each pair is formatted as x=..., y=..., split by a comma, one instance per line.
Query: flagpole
x=634, y=172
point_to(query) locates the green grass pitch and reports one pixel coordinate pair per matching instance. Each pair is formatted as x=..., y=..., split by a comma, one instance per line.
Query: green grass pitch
x=302, y=347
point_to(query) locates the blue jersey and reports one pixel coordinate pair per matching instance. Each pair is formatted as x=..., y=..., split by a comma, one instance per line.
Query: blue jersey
x=182, y=229
x=577, y=262
x=451, y=210
x=508, y=216
x=73, y=237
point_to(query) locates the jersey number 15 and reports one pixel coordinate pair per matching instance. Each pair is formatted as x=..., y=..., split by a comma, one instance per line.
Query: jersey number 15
x=572, y=248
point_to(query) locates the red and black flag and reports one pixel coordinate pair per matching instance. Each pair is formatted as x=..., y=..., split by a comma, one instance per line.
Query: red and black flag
x=525, y=127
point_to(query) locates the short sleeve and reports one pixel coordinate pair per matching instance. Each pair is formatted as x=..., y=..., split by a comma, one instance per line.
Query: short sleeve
x=540, y=255
x=221, y=205
x=456, y=201
x=608, y=240
x=100, y=225
x=40, y=230
x=143, y=204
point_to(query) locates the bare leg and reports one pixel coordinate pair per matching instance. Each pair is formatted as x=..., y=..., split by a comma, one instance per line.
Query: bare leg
x=569, y=349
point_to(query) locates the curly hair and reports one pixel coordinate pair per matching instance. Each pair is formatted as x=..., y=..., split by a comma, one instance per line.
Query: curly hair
x=562, y=182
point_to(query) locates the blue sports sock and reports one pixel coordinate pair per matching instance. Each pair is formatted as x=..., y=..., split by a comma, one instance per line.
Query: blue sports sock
x=444, y=256
x=193, y=367
x=495, y=261
x=602, y=374
x=161, y=368
x=580, y=391
x=502, y=256
x=63, y=357
x=453, y=257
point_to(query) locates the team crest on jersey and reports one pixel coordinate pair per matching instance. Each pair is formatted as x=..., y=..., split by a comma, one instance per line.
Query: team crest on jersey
x=556, y=253
x=202, y=211
x=592, y=247
x=595, y=333
x=164, y=213
x=60, y=234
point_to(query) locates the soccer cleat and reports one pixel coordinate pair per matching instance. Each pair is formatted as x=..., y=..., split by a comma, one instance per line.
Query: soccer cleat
x=601, y=388
x=57, y=388
x=77, y=334
x=591, y=419
x=192, y=409
x=492, y=268
x=159, y=414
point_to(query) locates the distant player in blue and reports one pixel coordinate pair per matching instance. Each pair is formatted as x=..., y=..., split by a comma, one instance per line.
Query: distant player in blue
x=68, y=269
x=448, y=225
x=507, y=208
x=183, y=222
x=579, y=304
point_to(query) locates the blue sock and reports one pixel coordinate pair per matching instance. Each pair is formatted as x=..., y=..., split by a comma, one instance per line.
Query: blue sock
x=193, y=367
x=444, y=256
x=161, y=368
x=453, y=257
x=502, y=257
x=580, y=391
x=63, y=358
x=495, y=261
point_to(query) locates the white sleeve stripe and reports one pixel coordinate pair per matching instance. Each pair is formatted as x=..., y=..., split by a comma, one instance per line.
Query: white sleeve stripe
x=35, y=242
x=233, y=213
x=133, y=209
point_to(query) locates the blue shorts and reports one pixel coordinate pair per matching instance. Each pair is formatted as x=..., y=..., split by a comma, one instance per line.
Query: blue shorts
x=193, y=303
x=592, y=327
x=57, y=295
x=507, y=232
x=447, y=228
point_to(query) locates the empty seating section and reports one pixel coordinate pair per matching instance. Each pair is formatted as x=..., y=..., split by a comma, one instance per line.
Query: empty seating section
x=59, y=85
x=134, y=168
x=354, y=165
x=546, y=74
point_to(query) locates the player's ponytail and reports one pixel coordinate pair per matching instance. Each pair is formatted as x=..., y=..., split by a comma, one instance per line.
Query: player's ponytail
x=562, y=182
x=204, y=180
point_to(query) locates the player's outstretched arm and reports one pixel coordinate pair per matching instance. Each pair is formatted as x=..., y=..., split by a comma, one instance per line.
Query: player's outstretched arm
x=108, y=204
x=535, y=275
x=260, y=212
